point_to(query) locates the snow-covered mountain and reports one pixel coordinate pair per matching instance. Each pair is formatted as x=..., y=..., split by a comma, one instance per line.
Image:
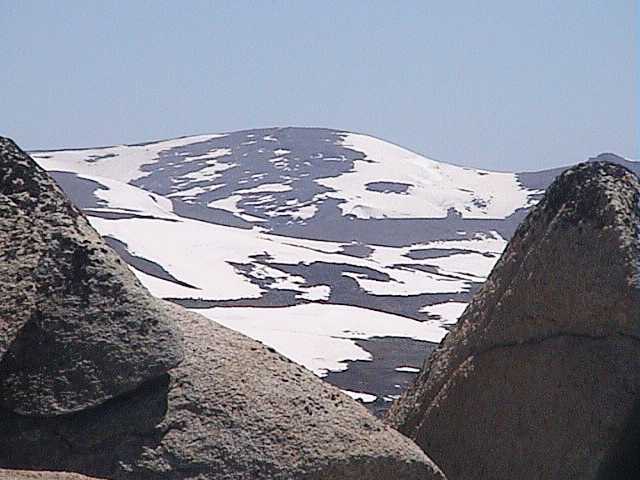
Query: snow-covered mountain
x=348, y=254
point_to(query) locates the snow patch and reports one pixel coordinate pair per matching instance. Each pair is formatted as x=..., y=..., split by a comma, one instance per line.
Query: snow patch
x=435, y=187
x=266, y=187
x=122, y=163
x=449, y=312
x=407, y=369
x=321, y=336
x=363, y=397
x=316, y=293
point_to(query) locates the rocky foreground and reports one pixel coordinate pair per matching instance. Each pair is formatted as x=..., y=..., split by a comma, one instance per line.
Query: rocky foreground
x=538, y=380
x=541, y=376
x=99, y=378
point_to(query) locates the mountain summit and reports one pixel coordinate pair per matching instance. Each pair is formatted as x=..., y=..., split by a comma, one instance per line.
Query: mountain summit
x=346, y=253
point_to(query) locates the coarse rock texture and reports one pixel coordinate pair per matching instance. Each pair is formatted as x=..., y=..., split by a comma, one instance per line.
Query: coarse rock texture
x=76, y=326
x=234, y=409
x=40, y=475
x=541, y=377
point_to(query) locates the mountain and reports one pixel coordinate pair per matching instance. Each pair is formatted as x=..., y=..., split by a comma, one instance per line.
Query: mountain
x=350, y=255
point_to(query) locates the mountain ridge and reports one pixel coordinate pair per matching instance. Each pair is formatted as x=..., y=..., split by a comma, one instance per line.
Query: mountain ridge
x=305, y=236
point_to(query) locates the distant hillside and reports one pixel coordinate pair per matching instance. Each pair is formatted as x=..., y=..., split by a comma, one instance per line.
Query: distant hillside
x=348, y=254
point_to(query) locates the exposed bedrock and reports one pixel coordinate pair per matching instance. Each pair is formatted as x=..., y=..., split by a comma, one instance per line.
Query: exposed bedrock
x=76, y=326
x=233, y=409
x=541, y=376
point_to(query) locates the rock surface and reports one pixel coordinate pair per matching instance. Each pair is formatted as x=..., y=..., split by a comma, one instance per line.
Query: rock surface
x=40, y=475
x=541, y=376
x=76, y=326
x=233, y=409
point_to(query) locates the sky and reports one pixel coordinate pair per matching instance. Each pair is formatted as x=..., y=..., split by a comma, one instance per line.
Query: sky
x=497, y=84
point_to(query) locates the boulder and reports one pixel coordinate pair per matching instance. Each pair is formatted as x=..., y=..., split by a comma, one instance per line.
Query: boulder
x=76, y=326
x=40, y=475
x=234, y=409
x=541, y=376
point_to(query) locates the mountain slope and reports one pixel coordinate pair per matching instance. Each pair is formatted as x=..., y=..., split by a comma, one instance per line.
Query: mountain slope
x=346, y=253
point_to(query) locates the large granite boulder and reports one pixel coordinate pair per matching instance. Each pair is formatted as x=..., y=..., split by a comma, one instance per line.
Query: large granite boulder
x=76, y=326
x=40, y=475
x=541, y=376
x=234, y=409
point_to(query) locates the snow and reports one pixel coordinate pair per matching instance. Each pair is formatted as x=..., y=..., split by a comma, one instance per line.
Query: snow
x=261, y=199
x=194, y=252
x=363, y=397
x=303, y=213
x=187, y=250
x=409, y=282
x=124, y=162
x=200, y=253
x=407, y=369
x=230, y=203
x=227, y=203
x=318, y=292
x=321, y=336
x=266, y=187
x=210, y=155
x=194, y=191
x=471, y=266
x=474, y=266
x=435, y=187
x=163, y=288
x=210, y=172
x=280, y=279
x=121, y=197
x=449, y=312
x=492, y=242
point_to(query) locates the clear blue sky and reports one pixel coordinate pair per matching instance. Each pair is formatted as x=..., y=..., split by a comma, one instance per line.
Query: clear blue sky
x=500, y=84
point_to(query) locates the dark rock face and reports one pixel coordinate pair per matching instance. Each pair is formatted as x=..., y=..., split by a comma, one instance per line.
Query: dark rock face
x=233, y=409
x=540, y=378
x=76, y=327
